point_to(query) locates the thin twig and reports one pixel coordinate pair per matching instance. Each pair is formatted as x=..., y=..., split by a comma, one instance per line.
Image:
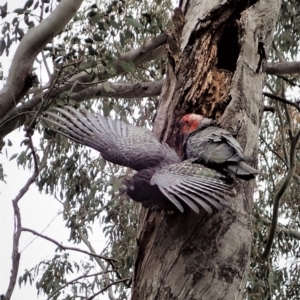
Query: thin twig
x=272, y=150
x=268, y=108
x=109, y=285
x=291, y=82
x=285, y=152
x=85, y=275
x=36, y=167
x=289, y=120
x=32, y=240
x=281, y=99
x=269, y=169
x=288, y=231
x=277, y=197
x=66, y=247
x=100, y=263
x=18, y=226
x=46, y=66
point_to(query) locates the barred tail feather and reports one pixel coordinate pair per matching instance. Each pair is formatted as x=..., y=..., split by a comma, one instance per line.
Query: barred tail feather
x=241, y=169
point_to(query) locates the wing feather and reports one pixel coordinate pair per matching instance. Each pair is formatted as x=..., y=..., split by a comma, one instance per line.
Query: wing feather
x=118, y=142
x=194, y=184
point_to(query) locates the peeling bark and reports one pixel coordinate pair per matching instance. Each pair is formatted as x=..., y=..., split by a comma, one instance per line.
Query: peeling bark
x=216, y=71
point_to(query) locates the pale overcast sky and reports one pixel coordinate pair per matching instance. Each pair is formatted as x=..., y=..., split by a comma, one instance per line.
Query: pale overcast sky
x=38, y=212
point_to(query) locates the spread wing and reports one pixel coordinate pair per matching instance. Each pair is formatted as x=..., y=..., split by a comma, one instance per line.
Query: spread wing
x=119, y=143
x=193, y=184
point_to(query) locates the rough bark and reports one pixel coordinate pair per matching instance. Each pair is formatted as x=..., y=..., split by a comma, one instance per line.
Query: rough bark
x=216, y=59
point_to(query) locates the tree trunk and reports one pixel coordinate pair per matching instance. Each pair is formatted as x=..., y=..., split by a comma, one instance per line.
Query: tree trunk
x=216, y=53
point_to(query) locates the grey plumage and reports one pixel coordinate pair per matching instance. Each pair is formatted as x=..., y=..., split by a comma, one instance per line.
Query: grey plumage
x=216, y=147
x=162, y=179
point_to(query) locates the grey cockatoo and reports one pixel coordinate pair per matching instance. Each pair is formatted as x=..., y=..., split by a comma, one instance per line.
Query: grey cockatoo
x=162, y=179
x=213, y=146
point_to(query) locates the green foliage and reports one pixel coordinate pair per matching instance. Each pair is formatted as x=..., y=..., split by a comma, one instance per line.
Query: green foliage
x=278, y=277
x=88, y=187
x=287, y=34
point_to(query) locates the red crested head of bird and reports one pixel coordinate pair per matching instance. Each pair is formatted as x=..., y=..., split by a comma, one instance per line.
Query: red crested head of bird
x=192, y=122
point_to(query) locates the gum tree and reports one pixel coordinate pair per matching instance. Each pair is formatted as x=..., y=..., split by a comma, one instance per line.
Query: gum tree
x=145, y=63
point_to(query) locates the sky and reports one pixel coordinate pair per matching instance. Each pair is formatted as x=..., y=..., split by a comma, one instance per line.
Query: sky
x=39, y=212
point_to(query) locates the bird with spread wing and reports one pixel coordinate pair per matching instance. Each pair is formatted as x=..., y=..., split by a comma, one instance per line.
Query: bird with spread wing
x=162, y=179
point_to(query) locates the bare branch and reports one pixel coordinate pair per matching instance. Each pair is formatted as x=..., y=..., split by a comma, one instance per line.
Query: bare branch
x=16, y=238
x=283, y=140
x=19, y=78
x=62, y=247
x=280, y=228
x=271, y=109
x=272, y=150
x=119, y=90
x=150, y=50
x=33, y=151
x=278, y=195
x=109, y=285
x=283, y=68
x=100, y=263
x=269, y=169
x=281, y=99
x=46, y=65
x=85, y=92
x=88, y=244
x=85, y=275
x=289, y=81
x=18, y=226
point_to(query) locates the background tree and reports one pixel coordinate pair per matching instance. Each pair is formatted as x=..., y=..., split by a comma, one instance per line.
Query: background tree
x=108, y=58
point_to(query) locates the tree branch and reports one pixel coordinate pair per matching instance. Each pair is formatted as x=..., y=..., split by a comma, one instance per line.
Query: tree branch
x=278, y=195
x=272, y=150
x=289, y=81
x=18, y=225
x=283, y=140
x=269, y=169
x=62, y=247
x=281, y=99
x=19, y=79
x=290, y=232
x=100, y=263
x=32, y=151
x=150, y=50
x=76, y=279
x=268, y=108
x=283, y=68
x=119, y=90
x=109, y=285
